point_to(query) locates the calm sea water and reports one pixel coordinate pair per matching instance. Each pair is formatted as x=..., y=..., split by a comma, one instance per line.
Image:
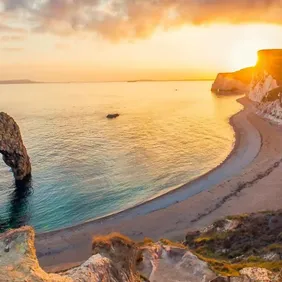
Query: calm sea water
x=86, y=166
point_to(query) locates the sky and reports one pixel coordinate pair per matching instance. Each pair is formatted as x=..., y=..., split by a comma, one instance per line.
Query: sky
x=113, y=40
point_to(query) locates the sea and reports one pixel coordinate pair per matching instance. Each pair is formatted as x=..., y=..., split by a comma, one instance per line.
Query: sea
x=85, y=166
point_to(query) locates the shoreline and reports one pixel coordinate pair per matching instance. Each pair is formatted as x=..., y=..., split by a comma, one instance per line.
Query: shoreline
x=64, y=248
x=160, y=197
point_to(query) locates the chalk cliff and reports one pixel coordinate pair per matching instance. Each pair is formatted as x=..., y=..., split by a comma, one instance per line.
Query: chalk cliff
x=266, y=86
x=267, y=75
x=12, y=147
x=233, y=82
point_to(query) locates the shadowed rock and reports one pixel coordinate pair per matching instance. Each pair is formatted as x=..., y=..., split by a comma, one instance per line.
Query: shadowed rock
x=112, y=116
x=12, y=148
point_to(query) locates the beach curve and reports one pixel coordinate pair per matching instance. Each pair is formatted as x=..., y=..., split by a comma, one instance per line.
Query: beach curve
x=64, y=240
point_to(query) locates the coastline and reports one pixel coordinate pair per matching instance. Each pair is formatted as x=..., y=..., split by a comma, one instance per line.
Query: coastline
x=158, y=202
x=61, y=249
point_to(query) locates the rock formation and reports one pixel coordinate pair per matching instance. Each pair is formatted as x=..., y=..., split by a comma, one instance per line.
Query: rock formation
x=112, y=116
x=118, y=259
x=234, y=83
x=267, y=74
x=244, y=241
x=266, y=86
x=165, y=263
x=12, y=147
x=18, y=261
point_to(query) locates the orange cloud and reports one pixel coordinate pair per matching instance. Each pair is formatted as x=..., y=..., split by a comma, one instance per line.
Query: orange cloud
x=118, y=19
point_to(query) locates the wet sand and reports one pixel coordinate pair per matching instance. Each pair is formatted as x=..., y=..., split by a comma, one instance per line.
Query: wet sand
x=249, y=180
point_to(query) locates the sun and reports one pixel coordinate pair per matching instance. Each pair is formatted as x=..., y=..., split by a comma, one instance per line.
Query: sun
x=244, y=55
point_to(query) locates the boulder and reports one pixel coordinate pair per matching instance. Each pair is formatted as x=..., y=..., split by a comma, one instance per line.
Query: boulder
x=112, y=116
x=163, y=263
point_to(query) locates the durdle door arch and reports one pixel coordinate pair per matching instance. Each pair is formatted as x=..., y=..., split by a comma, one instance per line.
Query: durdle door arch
x=12, y=148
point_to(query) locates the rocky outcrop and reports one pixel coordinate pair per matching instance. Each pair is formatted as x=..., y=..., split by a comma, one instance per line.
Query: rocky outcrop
x=114, y=260
x=251, y=274
x=18, y=261
x=164, y=263
x=267, y=74
x=112, y=116
x=118, y=259
x=266, y=86
x=242, y=241
x=12, y=148
x=234, y=83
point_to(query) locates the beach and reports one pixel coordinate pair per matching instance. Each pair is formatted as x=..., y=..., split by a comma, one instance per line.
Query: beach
x=247, y=181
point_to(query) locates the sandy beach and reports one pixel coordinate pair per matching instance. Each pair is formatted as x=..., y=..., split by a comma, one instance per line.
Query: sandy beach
x=248, y=181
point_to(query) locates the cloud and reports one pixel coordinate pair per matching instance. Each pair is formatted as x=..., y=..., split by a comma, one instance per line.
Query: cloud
x=9, y=29
x=117, y=19
x=11, y=38
x=11, y=49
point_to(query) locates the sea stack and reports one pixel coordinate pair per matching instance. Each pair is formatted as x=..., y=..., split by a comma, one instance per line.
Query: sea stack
x=112, y=116
x=12, y=148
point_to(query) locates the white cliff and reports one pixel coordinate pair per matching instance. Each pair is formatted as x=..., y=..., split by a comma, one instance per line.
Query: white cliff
x=261, y=84
x=233, y=82
x=225, y=83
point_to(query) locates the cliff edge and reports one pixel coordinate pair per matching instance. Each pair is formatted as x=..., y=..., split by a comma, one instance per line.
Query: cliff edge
x=234, y=82
x=235, y=249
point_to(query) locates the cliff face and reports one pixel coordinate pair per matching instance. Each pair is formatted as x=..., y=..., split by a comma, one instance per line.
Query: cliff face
x=266, y=84
x=267, y=75
x=234, y=82
x=12, y=147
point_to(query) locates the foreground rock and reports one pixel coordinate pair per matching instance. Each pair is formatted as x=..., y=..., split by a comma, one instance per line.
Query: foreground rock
x=18, y=261
x=12, y=147
x=117, y=259
x=164, y=263
x=114, y=260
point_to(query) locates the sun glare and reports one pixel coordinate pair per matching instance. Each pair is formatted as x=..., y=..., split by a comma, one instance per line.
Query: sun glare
x=244, y=56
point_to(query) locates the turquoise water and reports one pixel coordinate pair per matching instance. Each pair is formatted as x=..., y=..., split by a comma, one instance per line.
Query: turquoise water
x=86, y=166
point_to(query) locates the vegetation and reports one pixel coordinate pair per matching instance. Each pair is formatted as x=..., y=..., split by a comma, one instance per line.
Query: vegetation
x=240, y=241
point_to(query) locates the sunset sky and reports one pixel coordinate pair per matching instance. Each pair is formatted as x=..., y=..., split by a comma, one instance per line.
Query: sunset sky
x=111, y=40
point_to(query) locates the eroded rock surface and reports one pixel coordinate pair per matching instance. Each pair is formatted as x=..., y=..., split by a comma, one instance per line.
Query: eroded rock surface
x=115, y=259
x=12, y=147
x=251, y=274
x=18, y=261
x=161, y=263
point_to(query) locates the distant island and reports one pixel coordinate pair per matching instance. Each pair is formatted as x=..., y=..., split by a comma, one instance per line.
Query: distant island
x=18, y=81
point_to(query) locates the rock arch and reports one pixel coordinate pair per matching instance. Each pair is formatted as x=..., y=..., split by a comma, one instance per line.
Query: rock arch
x=12, y=148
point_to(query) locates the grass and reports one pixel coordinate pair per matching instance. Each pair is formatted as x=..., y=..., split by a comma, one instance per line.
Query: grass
x=146, y=242
x=110, y=240
x=228, y=252
x=225, y=268
x=274, y=247
x=173, y=244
